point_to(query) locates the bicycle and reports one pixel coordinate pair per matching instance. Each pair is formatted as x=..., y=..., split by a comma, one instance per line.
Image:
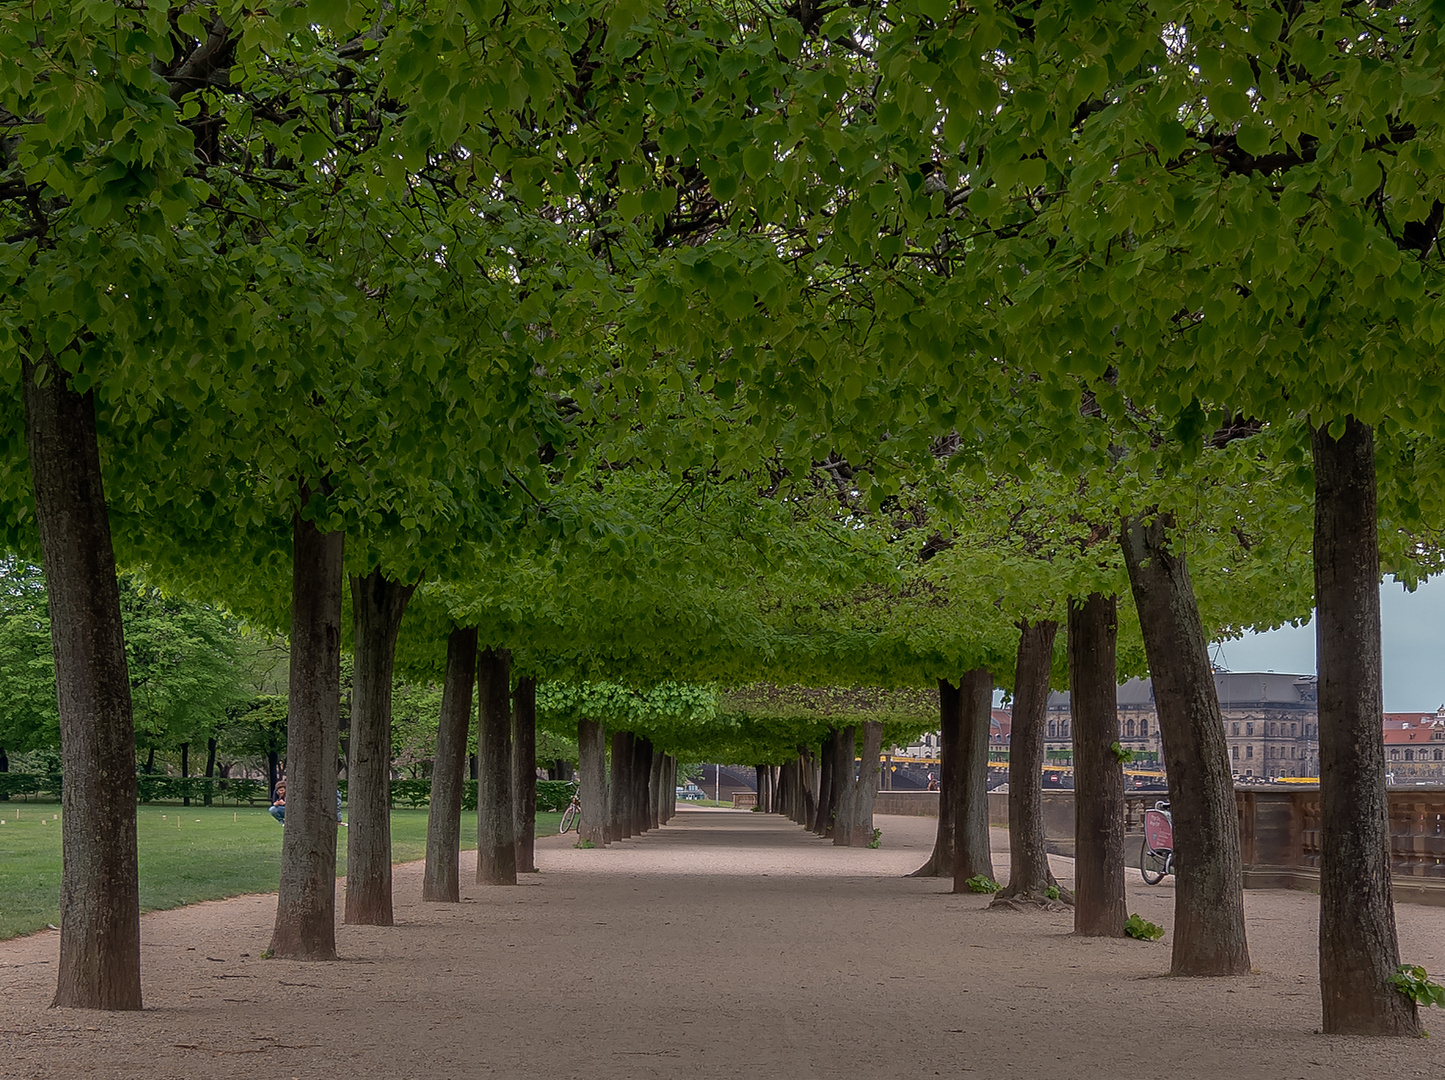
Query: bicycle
x=1156, y=858
x=573, y=814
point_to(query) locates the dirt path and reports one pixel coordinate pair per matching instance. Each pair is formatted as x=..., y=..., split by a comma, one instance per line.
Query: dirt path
x=720, y=946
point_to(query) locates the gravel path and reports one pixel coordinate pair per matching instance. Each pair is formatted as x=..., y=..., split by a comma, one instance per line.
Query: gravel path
x=723, y=946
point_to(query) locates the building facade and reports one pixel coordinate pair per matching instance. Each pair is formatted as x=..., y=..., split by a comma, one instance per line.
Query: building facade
x=1271, y=724
x=1415, y=747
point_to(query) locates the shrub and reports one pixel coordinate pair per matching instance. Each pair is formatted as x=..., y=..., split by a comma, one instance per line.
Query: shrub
x=1412, y=981
x=554, y=795
x=981, y=883
x=1143, y=929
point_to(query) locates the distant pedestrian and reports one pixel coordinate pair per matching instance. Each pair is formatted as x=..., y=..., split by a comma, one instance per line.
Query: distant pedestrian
x=278, y=808
x=932, y=782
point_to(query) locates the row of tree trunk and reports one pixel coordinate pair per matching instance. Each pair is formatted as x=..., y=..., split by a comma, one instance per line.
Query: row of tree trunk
x=505, y=764
x=637, y=793
x=1358, y=942
x=832, y=794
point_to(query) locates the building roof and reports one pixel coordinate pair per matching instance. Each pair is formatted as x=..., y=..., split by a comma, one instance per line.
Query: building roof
x=1235, y=689
x=1414, y=735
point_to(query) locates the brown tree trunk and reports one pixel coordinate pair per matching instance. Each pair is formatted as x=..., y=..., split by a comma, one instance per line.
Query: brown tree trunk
x=306, y=907
x=377, y=605
x=1209, y=935
x=441, y=878
x=617, y=788
x=972, y=853
x=641, y=763
x=1099, y=908
x=950, y=730
x=807, y=787
x=210, y=768
x=828, y=760
x=654, y=798
x=524, y=773
x=1359, y=950
x=1029, y=875
x=843, y=773
x=844, y=780
x=592, y=782
x=865, y=787
x=763, y=779
x=496, y=838
x=99, y=891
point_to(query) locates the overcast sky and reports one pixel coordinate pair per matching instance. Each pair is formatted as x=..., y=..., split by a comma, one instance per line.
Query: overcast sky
x=1413, y=628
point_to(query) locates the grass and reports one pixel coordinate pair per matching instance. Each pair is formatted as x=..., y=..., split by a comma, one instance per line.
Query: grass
x=187, y=854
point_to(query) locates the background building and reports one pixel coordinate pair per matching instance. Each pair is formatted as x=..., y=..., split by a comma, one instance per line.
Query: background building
x=1270, y=722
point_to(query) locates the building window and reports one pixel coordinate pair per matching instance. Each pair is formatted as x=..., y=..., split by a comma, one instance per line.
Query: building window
x=1394, y=755
x=1249, y=753
x=1236, y=729
x=1409, y=755
x=1143, y=728
x=1440, y=755
x=1234, y=752
x=1249, y=727
x=1291, y=730
x=1128, y=729
x=1053, y=729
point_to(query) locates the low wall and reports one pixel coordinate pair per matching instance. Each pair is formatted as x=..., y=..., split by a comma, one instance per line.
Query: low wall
x=907, y=803
x=1279, y=833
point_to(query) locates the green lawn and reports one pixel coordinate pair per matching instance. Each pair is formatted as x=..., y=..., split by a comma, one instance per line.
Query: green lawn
x=187, y=854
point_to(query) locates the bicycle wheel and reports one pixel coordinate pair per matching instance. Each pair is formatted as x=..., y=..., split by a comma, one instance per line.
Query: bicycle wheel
x=569, y=819
x=1152, y=867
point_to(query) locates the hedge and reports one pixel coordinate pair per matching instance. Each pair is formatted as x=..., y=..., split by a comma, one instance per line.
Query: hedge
x=552, y=795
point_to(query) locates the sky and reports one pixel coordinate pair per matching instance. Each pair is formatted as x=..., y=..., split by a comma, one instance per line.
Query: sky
x=1412, y=628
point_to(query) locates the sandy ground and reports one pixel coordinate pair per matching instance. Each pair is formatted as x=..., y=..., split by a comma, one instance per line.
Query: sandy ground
x=725, y=945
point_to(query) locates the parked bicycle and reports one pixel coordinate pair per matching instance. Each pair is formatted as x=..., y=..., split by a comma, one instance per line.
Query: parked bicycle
x=1156, y=859
x=573, y=814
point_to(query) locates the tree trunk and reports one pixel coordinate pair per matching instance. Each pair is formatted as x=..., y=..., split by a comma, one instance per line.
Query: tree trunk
x=617, y=790
x=441, y=878
x=273, y=770
x=496, y=838
x=210, y=767
x=377, y=605
x=1359, y=950
x=1029, y=873
x=808, y=785
x=972, y=853
x=306, y=907
x=592, y=782
x=99, y=892
x=845, y=785
x=950, y=730
x=763, y=780
x=1099, y=909
x=859, y=801
x=524, y=773
x=641, y=774
x=654, y=799
x=149, y=767
x=828, y=757
x=1209, y=934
